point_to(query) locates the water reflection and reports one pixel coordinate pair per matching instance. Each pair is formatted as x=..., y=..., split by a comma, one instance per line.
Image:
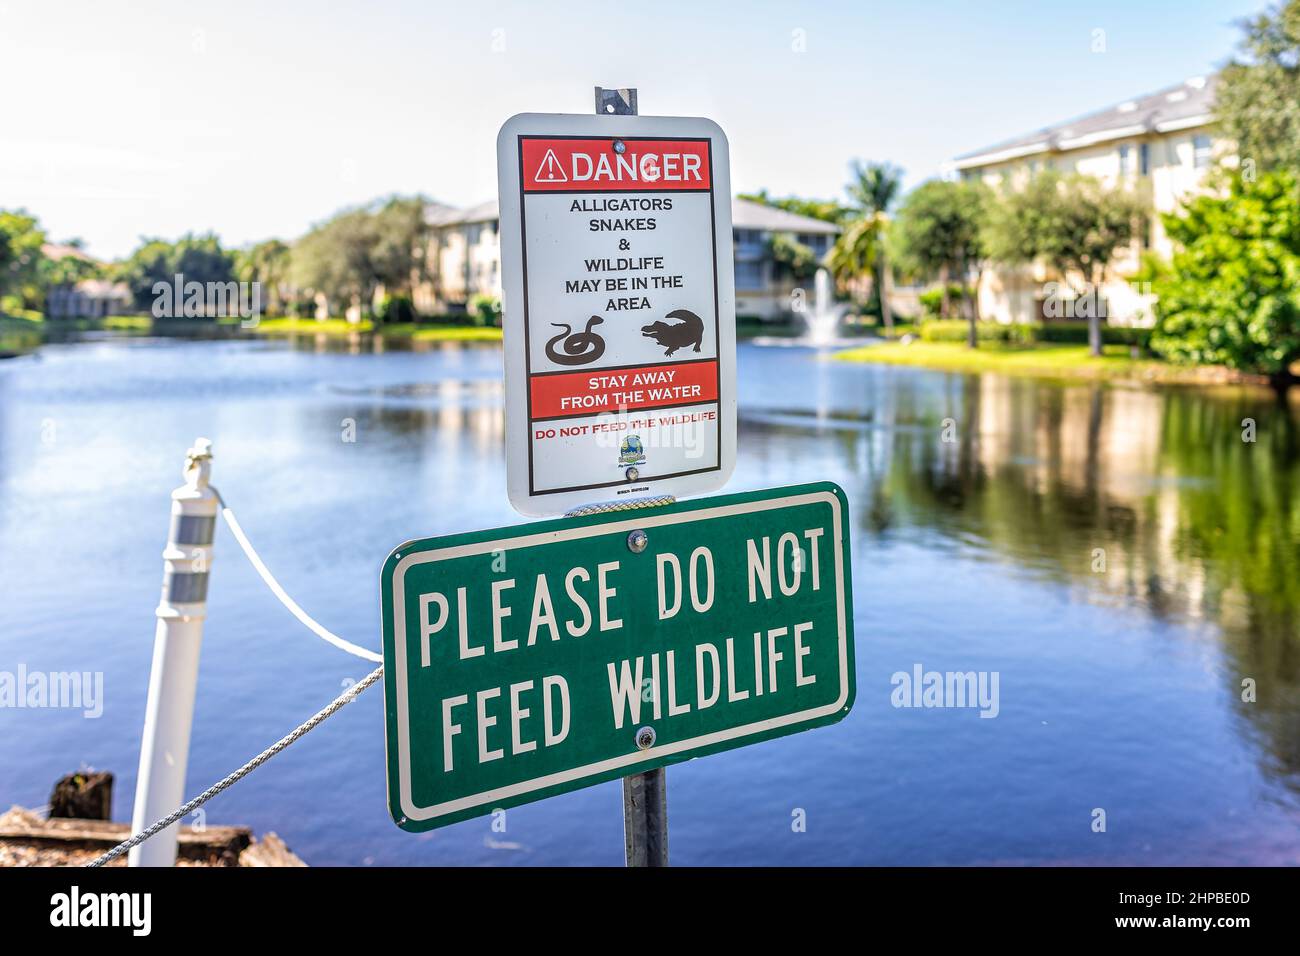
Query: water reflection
x=1134, y=498
x=1121, y=687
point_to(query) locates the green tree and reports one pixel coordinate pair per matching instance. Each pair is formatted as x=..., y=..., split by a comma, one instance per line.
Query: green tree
x=267, y=264
x=940, y=232
x=792, y=257
x=1258, y=96
x=400, y=255
x=196, y=258
x=334, y=260
x=69, y=268
x=1076, y=224
x=860, y=250
x=1232, y=293
x=347, y=258
x=21, y=259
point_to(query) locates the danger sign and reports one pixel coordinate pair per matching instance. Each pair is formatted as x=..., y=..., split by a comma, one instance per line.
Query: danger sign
x=591, y=163
x=619, y=307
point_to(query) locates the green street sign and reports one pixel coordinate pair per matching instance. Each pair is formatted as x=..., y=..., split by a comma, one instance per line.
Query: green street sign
x=525, y=662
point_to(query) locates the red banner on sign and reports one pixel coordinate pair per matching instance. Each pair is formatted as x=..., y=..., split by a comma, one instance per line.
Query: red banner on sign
x=645, y=165
x=651, y=386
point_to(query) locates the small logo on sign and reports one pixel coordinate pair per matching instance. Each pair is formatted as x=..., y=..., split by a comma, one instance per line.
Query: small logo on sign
x=550, y=171
x=630, y=451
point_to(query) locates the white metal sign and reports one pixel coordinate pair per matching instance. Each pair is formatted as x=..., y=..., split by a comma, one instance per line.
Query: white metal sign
x=619, y=307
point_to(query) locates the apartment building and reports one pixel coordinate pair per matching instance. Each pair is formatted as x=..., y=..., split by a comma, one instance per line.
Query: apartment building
x=465, y=256
x=1162, y=143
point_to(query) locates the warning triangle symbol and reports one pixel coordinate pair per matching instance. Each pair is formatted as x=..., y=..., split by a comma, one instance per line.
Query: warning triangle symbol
x=550, y=171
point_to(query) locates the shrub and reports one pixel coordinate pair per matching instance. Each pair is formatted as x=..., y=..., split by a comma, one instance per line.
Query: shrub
x=932, y=300
x=958, y=330
x=1076, y=333
x=1031, y=333
x=394, y=310
x=485, y=309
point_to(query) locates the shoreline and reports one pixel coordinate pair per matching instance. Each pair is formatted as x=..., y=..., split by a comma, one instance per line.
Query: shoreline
x=1066, y=363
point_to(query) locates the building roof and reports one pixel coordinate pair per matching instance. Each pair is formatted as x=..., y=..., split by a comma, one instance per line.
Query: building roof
x=438, y=214
x=1187, y=105
x=57, y=251
x=103, y=289
x=745, y=214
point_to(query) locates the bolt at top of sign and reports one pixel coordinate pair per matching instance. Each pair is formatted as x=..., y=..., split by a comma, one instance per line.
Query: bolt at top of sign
x=620, y=102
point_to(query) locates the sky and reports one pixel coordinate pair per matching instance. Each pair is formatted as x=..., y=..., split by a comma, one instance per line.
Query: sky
x=256, y=120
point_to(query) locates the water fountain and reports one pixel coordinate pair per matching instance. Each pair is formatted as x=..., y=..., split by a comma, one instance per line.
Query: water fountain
x=824, y=319
x=821, y=323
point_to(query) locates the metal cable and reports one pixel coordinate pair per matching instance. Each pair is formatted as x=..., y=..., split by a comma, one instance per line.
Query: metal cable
x=346, y=697
x=316, y=628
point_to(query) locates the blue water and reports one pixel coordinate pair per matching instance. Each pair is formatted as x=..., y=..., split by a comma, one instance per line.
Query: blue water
x=1119, y=690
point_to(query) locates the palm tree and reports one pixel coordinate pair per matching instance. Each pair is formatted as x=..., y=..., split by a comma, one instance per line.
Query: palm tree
x=856, y=250
x=860, y=249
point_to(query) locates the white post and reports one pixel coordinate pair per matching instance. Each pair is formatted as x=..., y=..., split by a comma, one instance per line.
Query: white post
x=165, y=745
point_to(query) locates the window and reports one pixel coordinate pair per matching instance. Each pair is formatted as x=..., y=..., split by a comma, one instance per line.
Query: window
x=749, y=274
x=814, y=241
x=749, y=240
x=1126, y=160
x=1201, y=151
x=1144, y=159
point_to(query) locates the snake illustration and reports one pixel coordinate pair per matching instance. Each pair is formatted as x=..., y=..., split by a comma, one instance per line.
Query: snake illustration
x=579, y=347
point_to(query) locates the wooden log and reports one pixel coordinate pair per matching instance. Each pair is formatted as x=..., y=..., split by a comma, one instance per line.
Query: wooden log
x=217, y=846
x=269, y=850
x=83, y=796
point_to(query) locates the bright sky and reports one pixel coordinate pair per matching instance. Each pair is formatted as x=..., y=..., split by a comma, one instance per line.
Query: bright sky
x=122, y=120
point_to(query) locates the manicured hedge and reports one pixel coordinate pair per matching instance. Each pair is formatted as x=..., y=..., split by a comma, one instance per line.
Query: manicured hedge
x=1076, y=333
x=1030, y=333
x=958, y=330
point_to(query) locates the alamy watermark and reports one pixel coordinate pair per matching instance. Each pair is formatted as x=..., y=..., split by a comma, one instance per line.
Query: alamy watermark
x=179, y=299
x=73, y=690
x=922, y=688
x=77, y=908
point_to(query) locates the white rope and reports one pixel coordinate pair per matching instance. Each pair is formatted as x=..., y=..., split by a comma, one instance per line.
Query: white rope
x=319, y=630
x=346, y=697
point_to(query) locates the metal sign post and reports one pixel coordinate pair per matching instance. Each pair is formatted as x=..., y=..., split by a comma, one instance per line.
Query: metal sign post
x=645, y=795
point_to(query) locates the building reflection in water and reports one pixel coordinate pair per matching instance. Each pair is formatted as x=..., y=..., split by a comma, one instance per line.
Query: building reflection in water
x=1134, y=498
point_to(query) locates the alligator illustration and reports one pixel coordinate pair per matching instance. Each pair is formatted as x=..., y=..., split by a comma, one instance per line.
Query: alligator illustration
x=689, y=331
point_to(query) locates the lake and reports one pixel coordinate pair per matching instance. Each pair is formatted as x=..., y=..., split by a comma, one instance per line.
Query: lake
x=1119, y=557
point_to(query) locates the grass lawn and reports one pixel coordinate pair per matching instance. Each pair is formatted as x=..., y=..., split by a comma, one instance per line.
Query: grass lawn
x=1042, y=361
x=128, y=323
x=19, y=333
x=445, y=333
x=419, y=333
